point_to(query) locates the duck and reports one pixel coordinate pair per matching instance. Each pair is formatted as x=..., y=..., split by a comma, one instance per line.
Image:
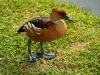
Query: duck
x=45, y=29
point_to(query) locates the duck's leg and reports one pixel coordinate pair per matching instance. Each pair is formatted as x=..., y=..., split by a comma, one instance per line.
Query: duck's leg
x=46, y=56
x=32, y=57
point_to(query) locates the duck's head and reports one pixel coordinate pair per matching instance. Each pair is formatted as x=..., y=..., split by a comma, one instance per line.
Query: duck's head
x=58, y=14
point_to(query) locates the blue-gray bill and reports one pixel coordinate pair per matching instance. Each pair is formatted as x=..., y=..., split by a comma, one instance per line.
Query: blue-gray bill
x=69, y=19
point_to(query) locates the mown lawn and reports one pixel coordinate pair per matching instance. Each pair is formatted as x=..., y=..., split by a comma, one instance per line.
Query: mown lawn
x=77, y=52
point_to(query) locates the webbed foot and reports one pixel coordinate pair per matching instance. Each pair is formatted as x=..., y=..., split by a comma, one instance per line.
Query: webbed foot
x=33, y=57
x=48, y=56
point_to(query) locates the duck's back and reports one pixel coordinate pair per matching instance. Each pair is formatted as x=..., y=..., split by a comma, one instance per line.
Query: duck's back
x=41, y=22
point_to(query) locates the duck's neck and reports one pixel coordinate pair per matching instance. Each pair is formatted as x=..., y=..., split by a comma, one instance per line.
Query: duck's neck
x=57, y=22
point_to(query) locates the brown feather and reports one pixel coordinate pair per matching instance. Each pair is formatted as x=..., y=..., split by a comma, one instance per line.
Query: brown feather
x=42, y=29
x=41, y=22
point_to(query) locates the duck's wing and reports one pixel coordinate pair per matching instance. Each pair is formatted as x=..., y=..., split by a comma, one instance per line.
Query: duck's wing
x=36, y=24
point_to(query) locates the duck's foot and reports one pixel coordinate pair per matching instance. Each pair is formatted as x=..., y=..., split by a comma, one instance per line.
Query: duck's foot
x=45, y=55
x=33, y=57
x=48, y=56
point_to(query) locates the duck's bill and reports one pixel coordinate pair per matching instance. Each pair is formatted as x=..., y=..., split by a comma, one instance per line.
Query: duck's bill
x=69, y=19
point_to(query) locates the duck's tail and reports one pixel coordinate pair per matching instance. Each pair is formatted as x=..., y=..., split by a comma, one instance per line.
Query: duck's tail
x=20, y=30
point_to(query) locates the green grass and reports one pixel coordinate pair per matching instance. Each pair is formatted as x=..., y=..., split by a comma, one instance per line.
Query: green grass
x=78, y=51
